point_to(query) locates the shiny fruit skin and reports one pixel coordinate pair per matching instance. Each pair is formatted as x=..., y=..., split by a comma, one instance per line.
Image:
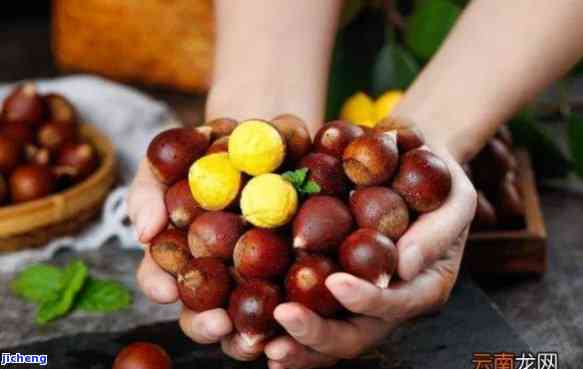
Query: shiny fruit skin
x=181, y=207
x=423, y=180
x=326, y=171
x=76, y=160
x=22, y=133
x=31, y=182
x=261, y=253
x=23, y=105
x=173, y=151
x=297, y=137
x=214, y=234
x=370, y=255
x=408, y=137
x=221, y=127
x=251, y=307
x=142, y=355
x=334, y=136
x=371, y=159
x=59, y=109
x=53, y=135
x=204, y=284
x=170, y=251
x=220, y=145
x=305, y=284
x=11, y=154
x=382, y=209
x=321, y=224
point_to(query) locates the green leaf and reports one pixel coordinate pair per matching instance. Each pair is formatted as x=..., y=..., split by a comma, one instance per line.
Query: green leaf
x=394, y=69
x=296, y=177
x=547, y=158
x=38, y=283
x=74, y=276
x=311, y=187
x=357, y=46
x=103, y=296
x=429, y=25
x=575, y=138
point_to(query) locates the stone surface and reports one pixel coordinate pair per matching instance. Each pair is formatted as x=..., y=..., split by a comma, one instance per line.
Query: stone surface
x=468, y=323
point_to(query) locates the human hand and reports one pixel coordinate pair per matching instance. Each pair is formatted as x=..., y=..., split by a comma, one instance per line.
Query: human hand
x=430, y=253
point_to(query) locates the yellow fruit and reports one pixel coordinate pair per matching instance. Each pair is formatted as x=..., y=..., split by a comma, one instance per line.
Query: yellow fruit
x=385, y=104
x=359, y=109
x=256, y=147
x=269, y=201
x=214, y=181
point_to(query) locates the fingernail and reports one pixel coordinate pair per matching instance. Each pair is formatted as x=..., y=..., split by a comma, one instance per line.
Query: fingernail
x=412, y=260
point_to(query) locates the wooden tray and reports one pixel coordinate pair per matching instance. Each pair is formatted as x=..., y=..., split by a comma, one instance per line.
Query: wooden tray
x=34, y=223
x=513, y=252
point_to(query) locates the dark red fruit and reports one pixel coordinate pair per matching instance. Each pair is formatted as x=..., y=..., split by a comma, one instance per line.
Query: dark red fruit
x=170, y=251
x=491, y=164
x=334, y=136
x=220, y=145
x=326, y=171
x=370, y=255
x=221, y=127
x=321, y=224
x=423, y=180
x=59, y=109
x=23, y=105
x=173, y=151
x=53, y=135
x=408, y=137
x=251, y=308
x=204, y=284
x=30, y=182
x=371, y=159
x=22, y=133
x=11, y=154
x=214, y=234
x=382, y=209
x=261, y=253
x=142, y=355
x=297, y=137
x=181, y=207
x=305, y=284
x=76, y=160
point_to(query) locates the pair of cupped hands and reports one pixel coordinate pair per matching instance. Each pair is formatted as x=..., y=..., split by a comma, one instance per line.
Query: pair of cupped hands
x=429, y=252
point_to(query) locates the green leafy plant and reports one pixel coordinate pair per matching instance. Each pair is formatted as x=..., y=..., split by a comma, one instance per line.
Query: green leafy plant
x=59, y=291
x=299, y=179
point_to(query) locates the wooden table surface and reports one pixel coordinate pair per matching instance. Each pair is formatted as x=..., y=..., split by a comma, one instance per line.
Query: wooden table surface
x=546, y=312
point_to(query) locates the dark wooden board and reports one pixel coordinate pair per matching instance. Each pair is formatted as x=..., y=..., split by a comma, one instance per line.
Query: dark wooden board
x=468, y=324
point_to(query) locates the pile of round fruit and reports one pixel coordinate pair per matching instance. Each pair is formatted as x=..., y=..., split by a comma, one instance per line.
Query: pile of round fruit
x=261, y=214
x=40, y=149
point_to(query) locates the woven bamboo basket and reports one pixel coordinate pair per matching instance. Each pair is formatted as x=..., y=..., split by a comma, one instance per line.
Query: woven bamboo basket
x=34, y=223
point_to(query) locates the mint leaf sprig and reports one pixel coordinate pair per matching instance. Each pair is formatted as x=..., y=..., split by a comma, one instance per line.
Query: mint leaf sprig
x=299, y=179
x=59, y=291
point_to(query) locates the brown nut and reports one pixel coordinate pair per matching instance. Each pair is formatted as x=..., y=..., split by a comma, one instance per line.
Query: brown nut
x=53, y=135
x=22, y=133
x=214, y=234
x=172, y=152
x=371, y=159
x=76, y=160
x=327, y=172
x=261, y=253
x=382, y=209
x=491, y=164
x=181, y=207
x=142, y=355
x=204, y=284
x=408, y=137
x=297, y=137
x=334, y=136
x=23, y=105
x=423, y=180
x=220, y=145
x=221, y=127
x=59, y=109
x=31, y=182
x=170, y=251
x=11, y=154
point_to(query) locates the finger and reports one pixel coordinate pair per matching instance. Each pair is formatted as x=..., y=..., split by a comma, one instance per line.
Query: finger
x=402, y=300
x=146, y=206
x=207, y=327
x=429, y=237
x=341, y=339
x=288, y=353
x=238, y=348
x=158, y=285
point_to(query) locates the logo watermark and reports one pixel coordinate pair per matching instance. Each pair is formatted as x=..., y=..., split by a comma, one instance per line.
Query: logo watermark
x=511, y=360
x=17, y=358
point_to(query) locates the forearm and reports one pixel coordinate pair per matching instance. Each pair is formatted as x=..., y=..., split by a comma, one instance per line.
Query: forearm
x=498, y=57
x=272, y=57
